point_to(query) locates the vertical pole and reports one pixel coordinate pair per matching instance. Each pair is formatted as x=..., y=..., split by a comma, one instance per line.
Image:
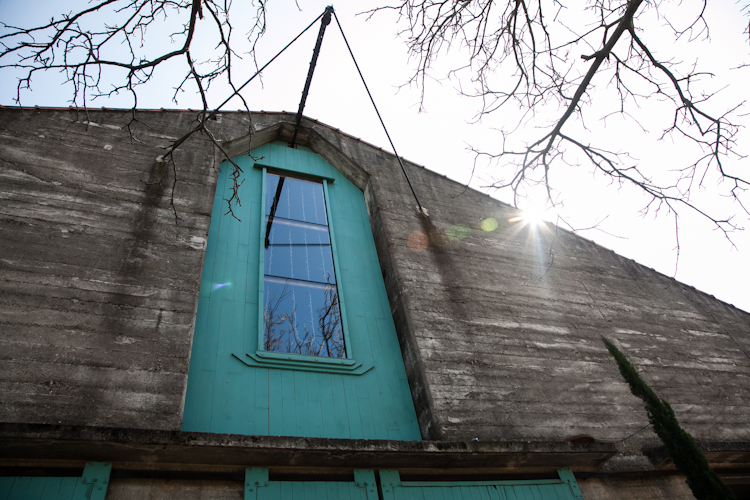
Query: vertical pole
x=316, y=51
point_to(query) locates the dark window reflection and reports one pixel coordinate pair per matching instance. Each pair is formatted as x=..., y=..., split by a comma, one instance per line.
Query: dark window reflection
x=301, y=305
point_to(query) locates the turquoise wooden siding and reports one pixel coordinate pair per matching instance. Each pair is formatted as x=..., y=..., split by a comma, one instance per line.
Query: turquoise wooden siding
x=565, y=488
x=92, y=485
x=258, y=487
x=230, y=390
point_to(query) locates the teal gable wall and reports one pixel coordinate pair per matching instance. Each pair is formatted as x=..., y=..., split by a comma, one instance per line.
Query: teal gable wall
x=228, y=392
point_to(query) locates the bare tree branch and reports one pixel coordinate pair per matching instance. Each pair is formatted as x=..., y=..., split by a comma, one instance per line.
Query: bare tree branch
x=115, y=35
x=523, y=53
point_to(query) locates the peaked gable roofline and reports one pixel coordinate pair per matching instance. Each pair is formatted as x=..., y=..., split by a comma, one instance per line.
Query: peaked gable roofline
x=311, y=135
x=279, y=125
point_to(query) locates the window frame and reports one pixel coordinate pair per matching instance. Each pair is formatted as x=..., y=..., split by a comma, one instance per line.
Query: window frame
x=271, y=359
x=261, y=271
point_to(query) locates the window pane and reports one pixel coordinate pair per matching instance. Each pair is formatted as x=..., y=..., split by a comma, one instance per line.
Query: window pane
x=298, y=200
x=299, y=250
x=285, y=232
x=302, y=318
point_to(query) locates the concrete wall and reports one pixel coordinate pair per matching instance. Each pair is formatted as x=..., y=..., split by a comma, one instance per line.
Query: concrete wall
x=636, y=488
x=177, y=489
x=499, y=329
x=99, y=283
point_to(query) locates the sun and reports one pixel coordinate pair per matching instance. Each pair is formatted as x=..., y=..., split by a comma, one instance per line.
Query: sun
x=533, y=216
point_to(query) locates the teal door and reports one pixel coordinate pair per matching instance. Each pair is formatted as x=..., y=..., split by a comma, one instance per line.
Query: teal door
x=364, y=487
x=564, y=488
x=92, y=485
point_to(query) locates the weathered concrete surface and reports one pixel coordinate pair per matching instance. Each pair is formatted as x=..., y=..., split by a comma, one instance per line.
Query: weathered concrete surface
x=176, y=489
x=500, y=330
x=635, y=488
x=723, y=455
x=99, y=284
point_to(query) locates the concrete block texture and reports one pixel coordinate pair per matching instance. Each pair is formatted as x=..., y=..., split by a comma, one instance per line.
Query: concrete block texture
x=99, y=280
x=177, y=489
x=635, y=488
x=499, y=322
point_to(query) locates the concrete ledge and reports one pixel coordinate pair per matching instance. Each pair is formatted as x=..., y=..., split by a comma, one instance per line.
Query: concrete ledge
x=59, y=445
x=720, y=455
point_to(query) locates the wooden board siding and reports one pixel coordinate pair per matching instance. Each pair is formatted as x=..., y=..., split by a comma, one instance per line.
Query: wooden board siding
x=564, y=488
x=92, y=485
x=43, y=488
x=225, y=395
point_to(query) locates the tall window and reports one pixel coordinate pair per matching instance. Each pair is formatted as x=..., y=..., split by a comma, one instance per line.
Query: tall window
x=301, y=313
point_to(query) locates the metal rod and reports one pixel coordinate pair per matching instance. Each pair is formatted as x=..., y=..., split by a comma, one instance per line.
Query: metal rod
x=323, y=23
x=274, y=206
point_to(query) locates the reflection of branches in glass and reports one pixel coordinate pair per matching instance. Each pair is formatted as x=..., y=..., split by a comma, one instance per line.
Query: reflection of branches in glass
x=273, y=322
x=329, y=320
x=283, y=333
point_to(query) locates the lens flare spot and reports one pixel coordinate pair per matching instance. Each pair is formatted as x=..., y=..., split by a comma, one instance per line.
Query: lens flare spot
x=216, y=286
x=457, y=232
x=418, y=241
x=489, y=225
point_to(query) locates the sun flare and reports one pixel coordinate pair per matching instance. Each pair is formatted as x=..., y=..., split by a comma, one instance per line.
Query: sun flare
x=533, y=216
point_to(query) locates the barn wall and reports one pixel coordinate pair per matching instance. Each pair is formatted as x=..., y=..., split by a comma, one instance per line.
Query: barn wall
x=499, y=330
x=636, y=488
x=99, y=283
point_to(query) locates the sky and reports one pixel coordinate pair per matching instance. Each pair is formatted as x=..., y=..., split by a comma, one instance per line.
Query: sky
x=440, y=136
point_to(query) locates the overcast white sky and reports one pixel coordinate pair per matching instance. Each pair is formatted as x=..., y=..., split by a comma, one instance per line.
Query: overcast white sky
x=438, y=138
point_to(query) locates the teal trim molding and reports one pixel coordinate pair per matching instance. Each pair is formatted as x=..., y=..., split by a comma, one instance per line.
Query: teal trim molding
x=234, y=386
x=365, y=479
x=302, y=363
x=92, y=485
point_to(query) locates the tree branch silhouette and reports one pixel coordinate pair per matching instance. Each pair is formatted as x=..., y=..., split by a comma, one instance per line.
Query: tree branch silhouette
x=538, y=56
